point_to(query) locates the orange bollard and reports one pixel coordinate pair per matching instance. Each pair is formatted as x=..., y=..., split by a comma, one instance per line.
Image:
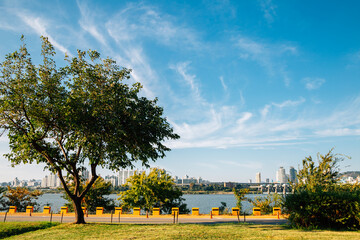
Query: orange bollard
x=210, y=214
x=278, y=213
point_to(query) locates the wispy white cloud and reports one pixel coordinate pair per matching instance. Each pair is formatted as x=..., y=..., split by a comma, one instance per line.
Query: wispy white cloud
x=313, y=83
x=39, y=25
x=268, y=8
x=87, y=23
x=273, y=126
x=138, y=21
x=269, y=56
x=223, y=83
x=289, y=103
x=338, y=132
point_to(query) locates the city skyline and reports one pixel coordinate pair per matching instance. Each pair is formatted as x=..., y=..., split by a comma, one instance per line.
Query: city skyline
x=249, y=86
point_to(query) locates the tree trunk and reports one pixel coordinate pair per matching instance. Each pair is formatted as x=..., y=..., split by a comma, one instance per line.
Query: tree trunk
x=79, y=214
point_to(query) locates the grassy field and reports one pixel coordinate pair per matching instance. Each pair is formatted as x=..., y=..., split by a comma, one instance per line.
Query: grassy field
x=180, y=231
x=16, y=228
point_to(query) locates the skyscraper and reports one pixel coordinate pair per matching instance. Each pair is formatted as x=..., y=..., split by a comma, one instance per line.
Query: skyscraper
x=124, y=174
x=292, y=174
x=281, y=175
x=258, y=177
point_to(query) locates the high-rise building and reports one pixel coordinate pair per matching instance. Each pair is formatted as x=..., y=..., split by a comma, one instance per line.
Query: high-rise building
x=292, y=175
x=258, y=177
x=124, y=174
x=44, y=182
x=281, y=175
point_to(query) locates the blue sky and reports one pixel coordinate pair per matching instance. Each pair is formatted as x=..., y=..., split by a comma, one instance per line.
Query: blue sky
x=248, y=85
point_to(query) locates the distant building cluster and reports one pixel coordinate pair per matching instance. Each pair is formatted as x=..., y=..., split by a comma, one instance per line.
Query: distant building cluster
x=122, y=176
x=22, y=183
x=350, y=179
x=186, y=180
x=281, y=176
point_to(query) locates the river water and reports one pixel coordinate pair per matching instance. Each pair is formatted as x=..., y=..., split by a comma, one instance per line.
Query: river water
x=203, y=201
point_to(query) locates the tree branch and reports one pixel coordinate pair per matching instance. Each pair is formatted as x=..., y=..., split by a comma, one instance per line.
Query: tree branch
x=92, y=180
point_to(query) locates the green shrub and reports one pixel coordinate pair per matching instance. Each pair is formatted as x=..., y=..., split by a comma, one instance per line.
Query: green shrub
x=338, y=208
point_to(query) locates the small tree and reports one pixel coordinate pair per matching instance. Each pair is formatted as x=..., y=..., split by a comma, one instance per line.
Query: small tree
x=21, y=198
x=320, y=177
x=81, y=115
x=96, y=196
x=157, y=189
x=266, y=203
x=240, y=196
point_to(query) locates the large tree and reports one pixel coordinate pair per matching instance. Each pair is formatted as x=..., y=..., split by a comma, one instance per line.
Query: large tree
x=83, y=114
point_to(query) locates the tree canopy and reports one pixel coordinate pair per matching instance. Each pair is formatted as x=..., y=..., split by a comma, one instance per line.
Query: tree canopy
x=83, y=114
x=21, y=198
x=322, y=176
x=156, y=189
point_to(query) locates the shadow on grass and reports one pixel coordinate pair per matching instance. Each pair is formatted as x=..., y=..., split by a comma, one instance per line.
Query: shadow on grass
x=11, y=229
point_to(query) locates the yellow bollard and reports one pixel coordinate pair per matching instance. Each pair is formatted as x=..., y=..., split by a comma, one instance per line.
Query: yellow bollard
x=29, y=209
x=256, y=211
x=174, y=209
x=64, y=210
x=195, y=211
x=47, y=210
x=136, y=211
x=156, y=212
x=235, y=211
x=215, y=211
x=118, y=210
x=99, y=210
x=12, y=209
x=276, y=210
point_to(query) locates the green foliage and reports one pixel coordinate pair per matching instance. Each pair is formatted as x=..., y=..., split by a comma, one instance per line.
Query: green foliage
x=240, y=196
x=266, y=203
x=21, y=198
x=320, y=177
x=96, y=196
x=83, y=114
x=338, y=208
x=157, y=189
x=319, y=201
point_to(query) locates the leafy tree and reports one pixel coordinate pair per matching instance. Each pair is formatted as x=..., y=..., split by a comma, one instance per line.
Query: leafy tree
x=240, y=196
x=157, y=189
x=320, y=177
x=96, y=196
x=21, y=198
x=82, y=114
x=319, y=201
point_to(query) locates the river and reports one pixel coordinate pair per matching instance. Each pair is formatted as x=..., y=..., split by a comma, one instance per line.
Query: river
x=203, y=201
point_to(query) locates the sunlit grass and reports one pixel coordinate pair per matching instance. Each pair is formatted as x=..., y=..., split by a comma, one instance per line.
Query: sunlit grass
x=181, y=231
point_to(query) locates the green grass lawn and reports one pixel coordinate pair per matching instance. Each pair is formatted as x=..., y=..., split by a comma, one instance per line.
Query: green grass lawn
x=16, y=228
x=179, y=231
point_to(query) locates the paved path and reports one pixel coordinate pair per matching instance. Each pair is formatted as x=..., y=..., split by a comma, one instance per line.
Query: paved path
x=142, y=219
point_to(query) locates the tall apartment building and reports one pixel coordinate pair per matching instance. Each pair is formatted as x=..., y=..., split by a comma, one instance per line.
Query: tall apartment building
x=258, y=177
x=292, y=175
x=281, y=175
x=124, y=174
